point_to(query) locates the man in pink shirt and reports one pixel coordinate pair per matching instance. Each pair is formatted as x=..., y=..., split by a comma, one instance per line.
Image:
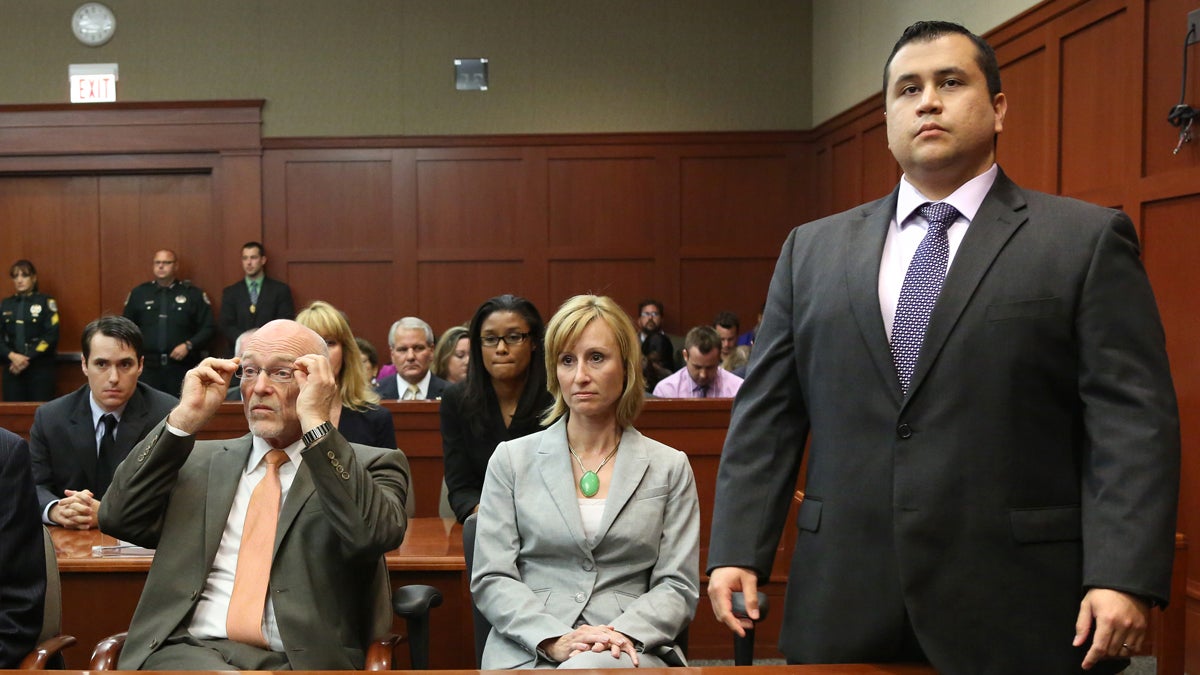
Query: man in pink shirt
x=701, y=375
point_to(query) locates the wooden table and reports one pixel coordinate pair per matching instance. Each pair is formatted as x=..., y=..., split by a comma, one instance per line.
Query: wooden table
x=100, y=593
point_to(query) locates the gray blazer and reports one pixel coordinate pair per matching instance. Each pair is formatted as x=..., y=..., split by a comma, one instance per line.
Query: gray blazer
x=536, y=576
x=1036, y=455
x=344, y=510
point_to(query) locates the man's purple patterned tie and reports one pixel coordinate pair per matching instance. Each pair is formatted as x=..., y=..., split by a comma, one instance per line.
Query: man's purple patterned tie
x=919, y=293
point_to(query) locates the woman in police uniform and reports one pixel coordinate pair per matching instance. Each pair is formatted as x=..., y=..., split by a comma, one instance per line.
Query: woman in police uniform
x=28, y=338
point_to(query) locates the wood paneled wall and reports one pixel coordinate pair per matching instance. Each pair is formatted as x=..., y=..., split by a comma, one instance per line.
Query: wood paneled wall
x=432, y=227
x=1089, y=86
x=386, y=227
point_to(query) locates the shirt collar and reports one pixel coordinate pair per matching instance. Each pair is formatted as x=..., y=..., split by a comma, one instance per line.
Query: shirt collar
x=98, y=412
x=261, y=447
x=967, y=198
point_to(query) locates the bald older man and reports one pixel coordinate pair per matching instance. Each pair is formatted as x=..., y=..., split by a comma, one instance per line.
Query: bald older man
x=340, y=507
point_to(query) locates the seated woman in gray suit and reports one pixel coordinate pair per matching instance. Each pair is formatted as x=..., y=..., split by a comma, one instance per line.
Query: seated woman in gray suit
x=586, y=554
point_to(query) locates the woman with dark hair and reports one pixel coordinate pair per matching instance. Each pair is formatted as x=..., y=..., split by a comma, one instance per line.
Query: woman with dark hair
x=28, y=337
x=502, y=398
x=657, y=351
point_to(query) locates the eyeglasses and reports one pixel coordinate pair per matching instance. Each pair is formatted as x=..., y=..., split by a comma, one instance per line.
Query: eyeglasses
x=279, y=375
x=650, y=315
x=512, y=339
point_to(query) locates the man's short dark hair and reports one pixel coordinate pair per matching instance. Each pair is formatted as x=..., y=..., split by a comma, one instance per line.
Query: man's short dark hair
x=927, y=31
x=116, y=327
x=703, y=338
x=650, y=301
x=255, y=244
x=727, y=320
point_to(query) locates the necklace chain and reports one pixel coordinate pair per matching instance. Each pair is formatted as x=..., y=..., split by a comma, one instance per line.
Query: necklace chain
x=589, y=482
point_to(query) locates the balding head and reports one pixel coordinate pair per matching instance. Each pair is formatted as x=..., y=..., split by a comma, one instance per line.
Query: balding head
x=270, y=404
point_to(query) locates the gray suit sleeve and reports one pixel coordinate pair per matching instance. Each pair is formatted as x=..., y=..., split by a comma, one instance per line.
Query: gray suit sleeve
x=765, y=442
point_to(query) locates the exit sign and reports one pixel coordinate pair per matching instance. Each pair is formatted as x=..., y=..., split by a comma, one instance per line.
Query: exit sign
x=93, y=82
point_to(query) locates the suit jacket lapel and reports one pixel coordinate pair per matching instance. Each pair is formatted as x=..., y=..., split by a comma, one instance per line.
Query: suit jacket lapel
x=864, y=249
x=223, y=476
x=133, y=420
x=554, y=464
x=629, y=467
x=83, y=436
x=1000, y=215
x=302, y=488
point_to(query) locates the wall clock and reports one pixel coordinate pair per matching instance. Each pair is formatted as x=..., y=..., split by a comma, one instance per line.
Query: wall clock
x=93, y=24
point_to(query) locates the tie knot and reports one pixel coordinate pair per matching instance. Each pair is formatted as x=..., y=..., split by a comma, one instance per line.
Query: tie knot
x=110, y=422
x=938, y=214
x=276, y=457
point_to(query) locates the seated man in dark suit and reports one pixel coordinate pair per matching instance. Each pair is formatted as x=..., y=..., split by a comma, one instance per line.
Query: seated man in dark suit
x=74, y=451
x=256, y=299
x=22, y=567
x=411, y=341
x=269, y=546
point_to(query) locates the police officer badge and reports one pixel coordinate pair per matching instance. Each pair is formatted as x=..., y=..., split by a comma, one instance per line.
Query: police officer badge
x=181, y=299
x=35, y=310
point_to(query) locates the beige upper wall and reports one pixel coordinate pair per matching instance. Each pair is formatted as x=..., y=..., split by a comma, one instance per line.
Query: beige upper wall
x=385, y=67
x=852, y=39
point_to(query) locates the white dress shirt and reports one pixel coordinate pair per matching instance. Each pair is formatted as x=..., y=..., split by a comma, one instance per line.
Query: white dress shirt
x=908, y=228
x=422, y=387
x=208, y=621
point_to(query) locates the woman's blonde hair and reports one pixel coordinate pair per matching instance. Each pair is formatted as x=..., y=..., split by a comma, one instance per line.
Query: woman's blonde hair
x=563, y=331
x=445, y=349
x=331, y=324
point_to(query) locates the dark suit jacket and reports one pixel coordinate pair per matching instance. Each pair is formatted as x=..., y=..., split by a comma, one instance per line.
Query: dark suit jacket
x=1036, y=456
x=22, y=565
x=343, y=512
x=274, y=302
x=389, y=390
x=63, y=441
x=466, y=454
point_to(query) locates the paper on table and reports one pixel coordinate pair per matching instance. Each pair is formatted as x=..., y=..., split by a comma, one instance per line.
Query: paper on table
x=121, y=549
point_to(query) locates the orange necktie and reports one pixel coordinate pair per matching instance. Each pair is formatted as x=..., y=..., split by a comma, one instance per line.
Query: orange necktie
x=249, y=597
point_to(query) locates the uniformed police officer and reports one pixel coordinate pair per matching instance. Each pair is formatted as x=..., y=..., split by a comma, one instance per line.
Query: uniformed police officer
x=28, y=337
x=176, y=321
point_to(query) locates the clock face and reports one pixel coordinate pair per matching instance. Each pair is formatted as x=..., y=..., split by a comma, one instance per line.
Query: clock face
x=93, y=24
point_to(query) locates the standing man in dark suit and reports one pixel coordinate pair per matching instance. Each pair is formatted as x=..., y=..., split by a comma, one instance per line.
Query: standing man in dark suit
x=22, y=565
x=336, y=509
x=74, y=452
x=256, y=299
x=176, y=321
x=411, y=343
x=1007, y=480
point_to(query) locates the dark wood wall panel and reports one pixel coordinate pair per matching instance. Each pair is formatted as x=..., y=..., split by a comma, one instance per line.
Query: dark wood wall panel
x=625, y=281
x=358, y=289
x=879, y=169
x=1164, y=67
x=142, y=214
x=847, y=157
x=733, y=204
x=1171, y=246
x=448, y=292
x=473, y=205
x=118, y=182
x=1097, y=122
x=54, y=222
x=338, y=205
x=603, y=203
x=1026, y=148
x=713, y=285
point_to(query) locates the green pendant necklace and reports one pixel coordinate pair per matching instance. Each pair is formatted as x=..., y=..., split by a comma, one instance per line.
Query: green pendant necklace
x=589, y=482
